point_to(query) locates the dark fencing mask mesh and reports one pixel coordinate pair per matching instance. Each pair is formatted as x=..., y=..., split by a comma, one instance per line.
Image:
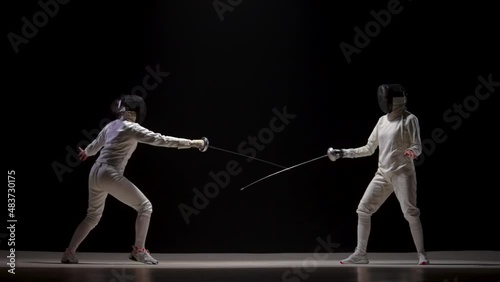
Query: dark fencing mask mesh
x=386, y=92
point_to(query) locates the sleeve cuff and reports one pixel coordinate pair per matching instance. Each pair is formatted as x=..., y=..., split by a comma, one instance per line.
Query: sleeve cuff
x=184, y=143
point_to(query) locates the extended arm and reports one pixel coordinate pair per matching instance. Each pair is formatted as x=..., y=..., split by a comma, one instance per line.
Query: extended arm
x=366, y=150
x=146, y=136
x=363, y=151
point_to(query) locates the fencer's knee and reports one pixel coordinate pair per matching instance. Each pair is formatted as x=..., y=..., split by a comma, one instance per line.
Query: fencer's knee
x=363, y=210
x=92, y=219
x=412, y=215
x=146, y=208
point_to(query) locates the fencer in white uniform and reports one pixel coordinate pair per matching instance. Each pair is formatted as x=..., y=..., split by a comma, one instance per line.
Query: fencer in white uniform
x=116, y=142
x=397, y=136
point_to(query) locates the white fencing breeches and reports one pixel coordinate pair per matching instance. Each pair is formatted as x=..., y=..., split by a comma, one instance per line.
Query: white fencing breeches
x=103, y=180
x=380, y=188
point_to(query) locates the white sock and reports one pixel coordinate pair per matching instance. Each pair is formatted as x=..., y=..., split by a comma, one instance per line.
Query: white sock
x=418, y=236
x=141, y=230
x=364, y=226
x=80, y=234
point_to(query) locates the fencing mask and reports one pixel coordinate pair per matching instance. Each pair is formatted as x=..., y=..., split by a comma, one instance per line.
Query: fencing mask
x=386, y=93
x=130, y=107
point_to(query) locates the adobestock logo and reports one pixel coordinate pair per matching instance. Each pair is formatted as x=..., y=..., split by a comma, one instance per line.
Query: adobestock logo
x=221, y=179
x=363, y=38
x=31, y=26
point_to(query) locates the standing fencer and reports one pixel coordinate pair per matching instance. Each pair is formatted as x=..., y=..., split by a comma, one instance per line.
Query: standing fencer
x=116, y=143
x=397, y=136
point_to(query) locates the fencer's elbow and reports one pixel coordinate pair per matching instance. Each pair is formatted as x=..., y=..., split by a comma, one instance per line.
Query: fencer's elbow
x=371, y=150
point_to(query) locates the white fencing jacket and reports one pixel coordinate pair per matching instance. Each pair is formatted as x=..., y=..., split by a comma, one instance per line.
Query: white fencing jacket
x=393, y=135
x=119, y=139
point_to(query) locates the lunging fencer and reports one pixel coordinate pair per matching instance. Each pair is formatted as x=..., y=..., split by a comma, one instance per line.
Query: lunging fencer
x=397, y=137
x=116, y=142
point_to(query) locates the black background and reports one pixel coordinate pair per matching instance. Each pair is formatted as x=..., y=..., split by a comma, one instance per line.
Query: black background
x=226, y=77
